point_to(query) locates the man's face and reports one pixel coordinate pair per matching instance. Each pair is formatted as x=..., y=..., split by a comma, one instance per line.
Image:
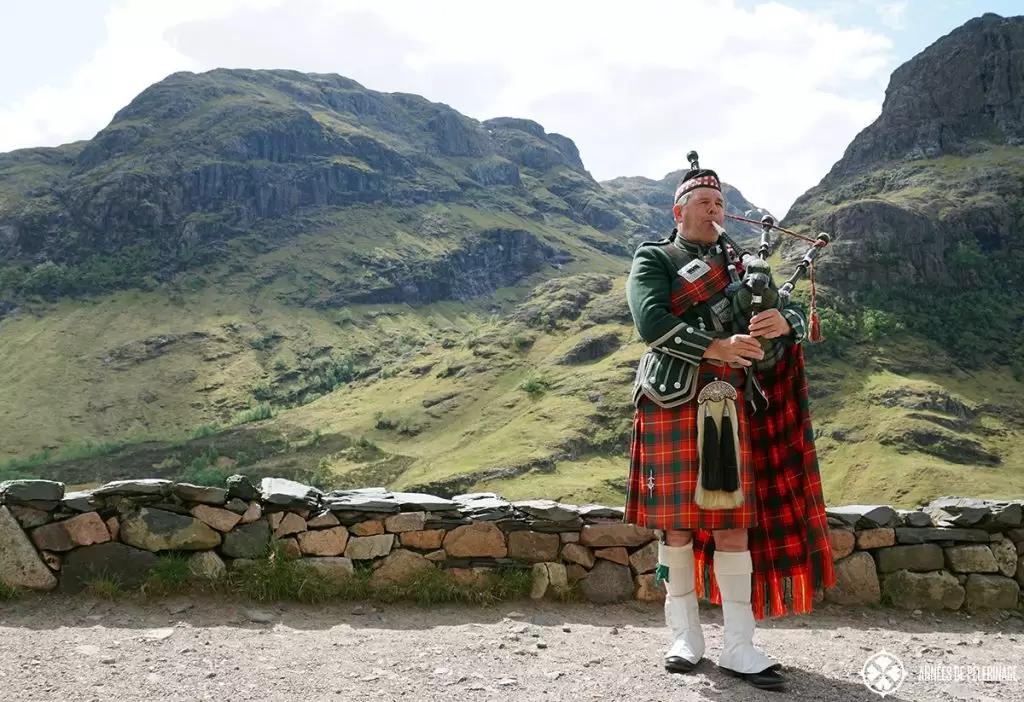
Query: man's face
x=695, y=217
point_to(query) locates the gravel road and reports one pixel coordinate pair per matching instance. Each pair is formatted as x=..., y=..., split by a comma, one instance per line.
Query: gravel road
x=197, y=649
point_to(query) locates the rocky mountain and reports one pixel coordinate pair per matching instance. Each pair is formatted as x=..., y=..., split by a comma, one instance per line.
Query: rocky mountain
x=199, y=169
x=919, y=287
x=926, y=203
x=957, y=97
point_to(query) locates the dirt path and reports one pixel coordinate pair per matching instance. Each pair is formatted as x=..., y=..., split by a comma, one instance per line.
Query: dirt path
x=195, y=649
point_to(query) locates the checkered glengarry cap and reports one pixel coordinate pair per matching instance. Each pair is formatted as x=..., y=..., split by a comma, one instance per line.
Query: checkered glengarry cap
x=697, y=178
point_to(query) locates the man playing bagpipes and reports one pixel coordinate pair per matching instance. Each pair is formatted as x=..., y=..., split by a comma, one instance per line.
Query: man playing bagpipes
x=723, y=462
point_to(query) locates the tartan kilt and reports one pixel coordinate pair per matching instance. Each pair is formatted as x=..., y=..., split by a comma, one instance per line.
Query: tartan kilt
x=664, y=444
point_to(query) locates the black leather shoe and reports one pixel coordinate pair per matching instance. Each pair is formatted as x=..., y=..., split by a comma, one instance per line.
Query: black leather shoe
x=678, y=664
x=768, y=679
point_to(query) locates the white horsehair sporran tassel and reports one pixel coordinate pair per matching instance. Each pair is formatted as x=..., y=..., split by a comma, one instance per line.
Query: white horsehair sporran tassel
x=718, y=448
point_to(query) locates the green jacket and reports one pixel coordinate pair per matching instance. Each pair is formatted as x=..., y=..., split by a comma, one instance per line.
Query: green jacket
x=668, y=371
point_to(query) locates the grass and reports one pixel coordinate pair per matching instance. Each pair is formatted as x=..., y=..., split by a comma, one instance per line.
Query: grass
x=276, y=578
x=457, y=394
x=8, y=593
x=107, y=587
x=934, y=186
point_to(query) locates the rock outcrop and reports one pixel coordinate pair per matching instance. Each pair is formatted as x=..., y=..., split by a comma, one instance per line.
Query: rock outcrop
x=651, y=200
x=928, y=194
x=199, y=159
x=960, y=94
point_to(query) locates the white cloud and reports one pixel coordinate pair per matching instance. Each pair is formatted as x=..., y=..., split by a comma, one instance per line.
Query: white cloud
x=133, y=55
x=770, y=97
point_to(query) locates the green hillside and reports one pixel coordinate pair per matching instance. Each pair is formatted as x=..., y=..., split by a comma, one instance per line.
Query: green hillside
x=278, y=273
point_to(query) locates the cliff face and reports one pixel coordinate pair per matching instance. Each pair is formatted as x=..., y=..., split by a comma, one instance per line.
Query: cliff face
x=930, y=193
x=960, y=95
x=199, y=160
x=202, y=170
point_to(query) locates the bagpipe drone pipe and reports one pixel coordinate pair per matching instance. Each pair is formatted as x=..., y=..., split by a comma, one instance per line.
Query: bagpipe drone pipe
x=756, y=290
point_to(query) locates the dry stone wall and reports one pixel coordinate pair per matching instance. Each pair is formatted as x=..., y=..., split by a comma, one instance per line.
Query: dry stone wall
x=955, y=553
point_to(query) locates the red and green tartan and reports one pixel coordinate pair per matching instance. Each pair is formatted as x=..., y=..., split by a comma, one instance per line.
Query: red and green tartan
x=789, y=546
x=685, y=295
x=665, y=449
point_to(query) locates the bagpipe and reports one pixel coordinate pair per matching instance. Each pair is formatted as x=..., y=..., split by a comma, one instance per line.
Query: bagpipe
x=756, y=291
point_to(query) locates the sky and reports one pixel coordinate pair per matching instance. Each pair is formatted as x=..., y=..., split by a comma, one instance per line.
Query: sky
x=768, y=93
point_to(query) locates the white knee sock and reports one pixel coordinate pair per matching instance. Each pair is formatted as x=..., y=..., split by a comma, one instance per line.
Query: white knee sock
x=679, y=561
x=736, y=567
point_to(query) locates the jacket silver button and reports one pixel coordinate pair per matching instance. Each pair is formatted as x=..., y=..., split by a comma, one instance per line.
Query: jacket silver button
x=689, y=330
x=678, y=385
x=679, y=340
x=653, y=379
x=662, y=388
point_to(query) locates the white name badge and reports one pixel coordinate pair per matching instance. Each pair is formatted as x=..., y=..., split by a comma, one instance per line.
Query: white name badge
x=693, y=270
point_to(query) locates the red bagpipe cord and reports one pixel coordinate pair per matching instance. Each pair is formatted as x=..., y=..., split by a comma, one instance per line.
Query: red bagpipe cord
x=815, y=323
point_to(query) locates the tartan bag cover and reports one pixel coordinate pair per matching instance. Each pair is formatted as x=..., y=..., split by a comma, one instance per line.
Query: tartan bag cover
x=789, y=546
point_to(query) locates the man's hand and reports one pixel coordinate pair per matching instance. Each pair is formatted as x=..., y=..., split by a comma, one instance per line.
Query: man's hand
x=769, y=324
x=738, y=348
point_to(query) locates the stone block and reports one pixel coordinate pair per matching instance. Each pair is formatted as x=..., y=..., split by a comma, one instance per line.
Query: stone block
x=1006, y=556
x=645, y=560
x=20, y=564
x=856, y=581
x=223, y=520
x=876, y=538
x=371, y=527
x=991, y=592
x=159, y=530
x=605, y=535
x=362, y=548
x=917, y=557
x=334, y=569
x=646, y=590
x=324, y=542
x=533, y=546
x=973, y=558
x=405, y=521
x=290, y=525
x=399, y=565
x=924, y=535
x=608, y=582
x=426, y=540
x=936, y=590
x=247, y=541
x=615, y=554
x=842, y=541
x=574, y=553
x=478, y=540
x=206, y=565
